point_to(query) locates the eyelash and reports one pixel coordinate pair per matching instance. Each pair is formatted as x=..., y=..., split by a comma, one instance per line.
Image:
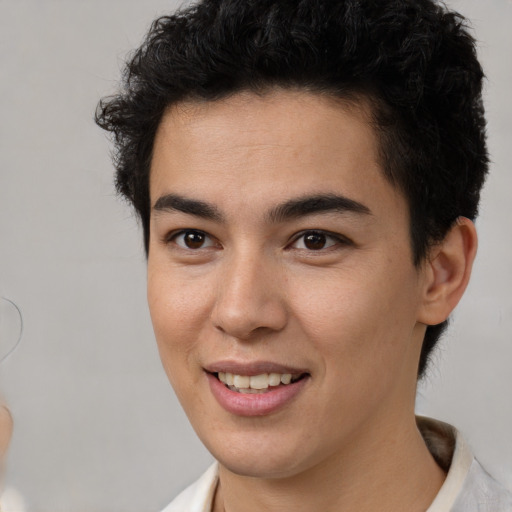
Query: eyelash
x=337, y=240
x=172, y=238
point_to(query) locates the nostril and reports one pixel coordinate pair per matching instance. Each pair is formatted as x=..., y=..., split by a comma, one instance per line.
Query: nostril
x=248, y=304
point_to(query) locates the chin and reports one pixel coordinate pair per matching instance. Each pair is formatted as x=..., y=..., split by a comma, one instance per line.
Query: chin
x=259, y=457
x=258, y=467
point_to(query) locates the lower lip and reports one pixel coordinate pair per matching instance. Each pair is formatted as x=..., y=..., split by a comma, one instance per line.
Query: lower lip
x=260, y=404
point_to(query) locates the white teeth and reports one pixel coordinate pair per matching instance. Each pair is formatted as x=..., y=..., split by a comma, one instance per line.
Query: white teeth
x=241, y=381
x=255, y=383
x=286, y=378
x=259, y=381
x=274, y=379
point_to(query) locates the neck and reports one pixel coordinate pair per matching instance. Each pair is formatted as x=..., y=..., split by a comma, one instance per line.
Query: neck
x=394, y=473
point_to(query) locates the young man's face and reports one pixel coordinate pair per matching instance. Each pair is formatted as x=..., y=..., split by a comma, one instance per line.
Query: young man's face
x=278, y=247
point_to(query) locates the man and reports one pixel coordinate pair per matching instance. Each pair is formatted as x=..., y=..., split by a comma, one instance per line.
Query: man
x=306, y=174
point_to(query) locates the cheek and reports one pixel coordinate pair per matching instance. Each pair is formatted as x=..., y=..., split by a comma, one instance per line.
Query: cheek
x=179, y=309
x=359, y=319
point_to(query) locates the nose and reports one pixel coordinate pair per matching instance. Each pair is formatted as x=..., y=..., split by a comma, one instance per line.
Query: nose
x=250, y=300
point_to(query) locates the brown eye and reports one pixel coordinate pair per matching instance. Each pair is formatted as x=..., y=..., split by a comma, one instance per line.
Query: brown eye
x=318, y=240
x=192, y=239
x=315, y=241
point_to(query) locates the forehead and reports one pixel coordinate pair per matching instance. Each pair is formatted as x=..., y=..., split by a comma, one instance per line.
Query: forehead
x=290, y=116
x=265, y=146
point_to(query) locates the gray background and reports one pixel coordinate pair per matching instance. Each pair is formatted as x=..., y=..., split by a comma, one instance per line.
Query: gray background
x=97, y=427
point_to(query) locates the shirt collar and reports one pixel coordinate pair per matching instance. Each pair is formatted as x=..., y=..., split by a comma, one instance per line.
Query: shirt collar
x=452, y=453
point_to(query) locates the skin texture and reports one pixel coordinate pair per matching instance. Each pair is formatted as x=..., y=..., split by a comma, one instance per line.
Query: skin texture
x=352, y=313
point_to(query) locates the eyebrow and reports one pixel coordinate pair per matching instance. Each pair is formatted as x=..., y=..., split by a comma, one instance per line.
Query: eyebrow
x=320, y=203
x=173, y=202
x=292, y=209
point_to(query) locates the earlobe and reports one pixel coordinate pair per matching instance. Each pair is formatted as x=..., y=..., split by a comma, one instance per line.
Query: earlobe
x=447, y=272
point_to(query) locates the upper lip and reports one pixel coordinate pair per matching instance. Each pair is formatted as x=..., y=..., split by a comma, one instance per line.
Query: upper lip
x=252, y=368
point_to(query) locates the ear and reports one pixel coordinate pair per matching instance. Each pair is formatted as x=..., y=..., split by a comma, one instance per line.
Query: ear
x=447, y=272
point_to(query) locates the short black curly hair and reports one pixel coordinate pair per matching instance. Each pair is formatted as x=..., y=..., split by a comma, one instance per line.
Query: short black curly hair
x=413, y=60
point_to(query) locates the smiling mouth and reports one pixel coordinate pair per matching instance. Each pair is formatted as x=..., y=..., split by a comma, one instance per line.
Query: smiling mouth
x=257, y=384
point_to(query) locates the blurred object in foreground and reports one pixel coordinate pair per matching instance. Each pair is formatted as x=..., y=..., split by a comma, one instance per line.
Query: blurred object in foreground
x=12, y=501
x=11, y=327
